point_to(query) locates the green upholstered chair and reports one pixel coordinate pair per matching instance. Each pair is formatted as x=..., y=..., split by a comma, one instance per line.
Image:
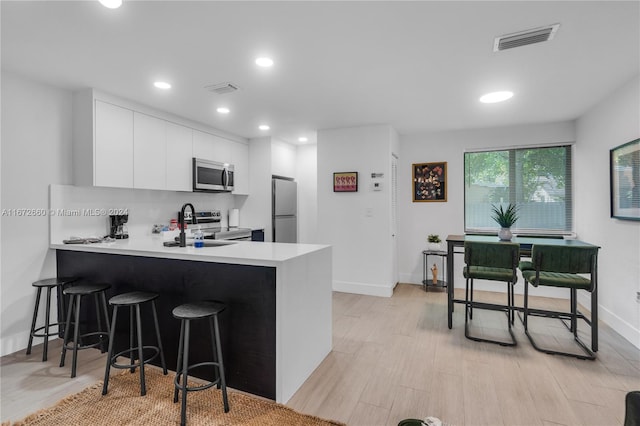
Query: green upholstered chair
x=493, y=261
x=571, y=267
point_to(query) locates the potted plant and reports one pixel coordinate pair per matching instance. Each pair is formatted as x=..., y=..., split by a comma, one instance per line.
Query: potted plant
x=505, y=218
x=434, y=241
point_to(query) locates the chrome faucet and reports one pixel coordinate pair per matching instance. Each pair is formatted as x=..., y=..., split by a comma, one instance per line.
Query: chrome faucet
x=194, y=220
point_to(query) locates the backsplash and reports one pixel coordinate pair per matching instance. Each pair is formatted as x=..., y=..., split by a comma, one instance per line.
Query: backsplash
x=81, y=211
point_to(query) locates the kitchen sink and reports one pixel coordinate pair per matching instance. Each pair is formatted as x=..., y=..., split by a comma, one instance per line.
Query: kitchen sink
x=207, y=243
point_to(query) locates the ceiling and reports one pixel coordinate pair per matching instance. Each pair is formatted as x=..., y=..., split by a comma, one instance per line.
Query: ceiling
x=419, y=66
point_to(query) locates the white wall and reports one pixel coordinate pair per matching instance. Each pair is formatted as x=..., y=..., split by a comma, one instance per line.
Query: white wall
x=417, y=220
x=611, y=123
x=357, y=225
x=283, y=158
x=36, y=151
x=307, y=178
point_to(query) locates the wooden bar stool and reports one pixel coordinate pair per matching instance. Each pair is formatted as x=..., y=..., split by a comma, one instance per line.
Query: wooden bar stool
x=49, y=284
x=133, y=300
x=186, y=313
x=76, y=292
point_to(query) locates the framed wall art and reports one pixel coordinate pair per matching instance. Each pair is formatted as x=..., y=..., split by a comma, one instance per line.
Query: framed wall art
x=345, y=182
x=624, y=166
x=429, y=181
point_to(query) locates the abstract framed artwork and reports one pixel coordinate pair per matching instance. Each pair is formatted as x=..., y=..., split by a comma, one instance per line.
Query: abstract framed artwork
x=624, y=166
x=429, y=182
x=345, y=182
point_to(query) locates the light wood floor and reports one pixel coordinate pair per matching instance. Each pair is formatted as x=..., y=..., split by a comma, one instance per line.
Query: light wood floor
x=395, y=358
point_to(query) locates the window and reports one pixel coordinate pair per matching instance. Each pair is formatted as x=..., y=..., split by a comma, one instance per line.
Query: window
x=537, y=180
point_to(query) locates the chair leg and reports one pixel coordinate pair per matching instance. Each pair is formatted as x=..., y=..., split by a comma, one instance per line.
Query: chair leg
x=594, y=319
x=573, y=316
x=98, y=317
x=33, y=321
x=107, y=370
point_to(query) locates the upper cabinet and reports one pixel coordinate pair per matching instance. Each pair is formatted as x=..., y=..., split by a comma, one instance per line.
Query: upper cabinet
x=178, y=157
x=240, y=161
x=113, y=164
x=149, y=152
x=117, y=146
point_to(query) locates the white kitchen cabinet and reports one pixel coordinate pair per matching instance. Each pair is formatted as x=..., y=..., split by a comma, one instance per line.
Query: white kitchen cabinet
x=113, y=149
x=179, y=157
x=203, y=145
x=149, y=152
x=222, y=149
x=240, y=161
x=211, y=147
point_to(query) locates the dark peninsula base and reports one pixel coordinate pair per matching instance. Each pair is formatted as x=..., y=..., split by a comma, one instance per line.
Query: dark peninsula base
x=247, y=326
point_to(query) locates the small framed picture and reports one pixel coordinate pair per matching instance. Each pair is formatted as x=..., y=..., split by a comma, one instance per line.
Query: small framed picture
x=429, y=182
x=625, y=181
x=345, y=182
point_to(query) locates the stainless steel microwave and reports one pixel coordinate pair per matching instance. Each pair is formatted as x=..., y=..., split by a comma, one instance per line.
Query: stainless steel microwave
x=212, y=176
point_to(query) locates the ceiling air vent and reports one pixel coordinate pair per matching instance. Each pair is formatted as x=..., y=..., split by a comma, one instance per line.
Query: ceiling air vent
x=523, y=38
x=222, y=88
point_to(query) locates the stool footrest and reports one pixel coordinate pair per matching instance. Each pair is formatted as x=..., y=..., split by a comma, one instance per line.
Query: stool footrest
x=91, y=345
x=48, y=333
x=136, y=364
x=197, y=388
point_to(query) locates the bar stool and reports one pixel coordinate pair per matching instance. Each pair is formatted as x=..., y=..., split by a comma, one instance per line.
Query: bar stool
x=186, y=313
x=49, y=284
x=76, y=292
x=133, y=300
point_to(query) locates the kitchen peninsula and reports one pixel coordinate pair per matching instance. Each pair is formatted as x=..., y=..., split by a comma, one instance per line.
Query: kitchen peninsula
x=277, y=327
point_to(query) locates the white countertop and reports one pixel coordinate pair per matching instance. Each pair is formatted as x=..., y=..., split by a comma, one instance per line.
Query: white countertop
x=242, y=252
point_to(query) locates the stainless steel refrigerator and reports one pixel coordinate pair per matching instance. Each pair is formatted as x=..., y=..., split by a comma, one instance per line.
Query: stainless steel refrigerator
x=285, y=208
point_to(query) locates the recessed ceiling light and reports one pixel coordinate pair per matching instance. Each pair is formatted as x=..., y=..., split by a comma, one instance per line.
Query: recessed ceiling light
x=264, y=62
x=302, y=139
x=494, y=97
x=162, y=85
x=263, y=127
x=111, y=4
x=223, y=110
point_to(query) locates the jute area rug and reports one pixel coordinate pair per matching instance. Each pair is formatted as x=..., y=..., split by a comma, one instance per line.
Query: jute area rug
x=123, y=405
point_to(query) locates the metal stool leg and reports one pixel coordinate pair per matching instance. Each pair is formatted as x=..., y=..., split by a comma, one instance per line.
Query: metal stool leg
x=155, y=320
x=76, y=329
x=66, y=331
x=143, y=387
x=221, y=365
x=132, y=338
x=180, y=348
x=46, y=325
x=33, y=321
x=185, y=366
x=105, y=386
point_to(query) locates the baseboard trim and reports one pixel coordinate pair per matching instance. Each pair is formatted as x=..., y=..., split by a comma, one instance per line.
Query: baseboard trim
x=363, y=288
x=617, y=324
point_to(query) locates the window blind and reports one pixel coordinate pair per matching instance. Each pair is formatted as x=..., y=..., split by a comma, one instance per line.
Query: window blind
x=538, y=180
